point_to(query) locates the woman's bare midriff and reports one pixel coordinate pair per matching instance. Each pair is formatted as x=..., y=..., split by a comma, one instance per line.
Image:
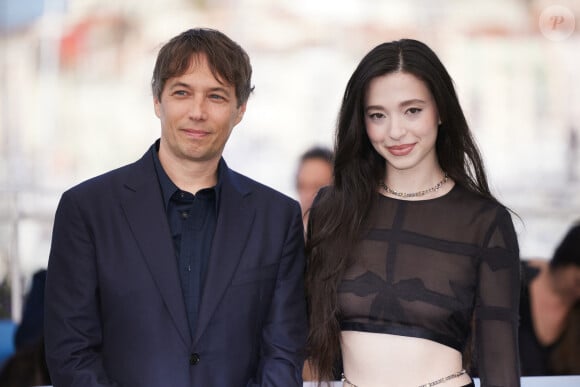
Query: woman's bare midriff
x=379, y=360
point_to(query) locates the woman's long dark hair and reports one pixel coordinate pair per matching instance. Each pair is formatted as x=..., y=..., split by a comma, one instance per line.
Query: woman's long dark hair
x=338, y=212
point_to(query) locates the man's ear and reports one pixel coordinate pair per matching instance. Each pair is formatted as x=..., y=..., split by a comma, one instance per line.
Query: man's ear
x=241, y=112
x=157, y=106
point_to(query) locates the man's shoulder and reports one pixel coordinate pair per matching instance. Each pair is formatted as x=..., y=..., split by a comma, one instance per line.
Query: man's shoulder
x=247, y=184
x=108, y=178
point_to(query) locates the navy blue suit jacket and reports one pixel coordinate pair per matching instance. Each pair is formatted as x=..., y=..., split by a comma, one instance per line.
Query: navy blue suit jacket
x=115, y=314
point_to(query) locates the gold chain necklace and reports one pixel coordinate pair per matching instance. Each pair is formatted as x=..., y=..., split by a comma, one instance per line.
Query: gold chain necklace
x=415, y=194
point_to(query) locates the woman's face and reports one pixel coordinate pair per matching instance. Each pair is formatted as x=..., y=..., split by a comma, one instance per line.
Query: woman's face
x=401, y=120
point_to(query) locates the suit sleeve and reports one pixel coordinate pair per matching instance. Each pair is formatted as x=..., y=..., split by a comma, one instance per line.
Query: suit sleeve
x=72, y=319
x=284, y=333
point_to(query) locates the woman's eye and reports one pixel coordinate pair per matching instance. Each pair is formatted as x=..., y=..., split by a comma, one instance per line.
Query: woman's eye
x=414, y=110
x=376, y=116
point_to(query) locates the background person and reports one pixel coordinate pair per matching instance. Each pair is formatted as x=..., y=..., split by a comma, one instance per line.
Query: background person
x=31, y=327
x=550, y=311
x=314, y=172
x=26, y=367
x=176, y=270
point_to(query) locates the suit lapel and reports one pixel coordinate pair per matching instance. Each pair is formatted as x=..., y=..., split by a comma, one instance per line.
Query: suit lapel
x=232, y=230
x=143, y=206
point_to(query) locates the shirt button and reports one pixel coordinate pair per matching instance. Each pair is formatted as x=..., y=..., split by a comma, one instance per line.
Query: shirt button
x=184, y=215
x=194, y=358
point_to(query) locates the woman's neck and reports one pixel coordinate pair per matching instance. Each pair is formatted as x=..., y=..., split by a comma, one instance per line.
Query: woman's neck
x=412, y=180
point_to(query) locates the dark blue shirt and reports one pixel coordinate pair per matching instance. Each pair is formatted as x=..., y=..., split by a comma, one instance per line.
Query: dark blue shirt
x=192, y=220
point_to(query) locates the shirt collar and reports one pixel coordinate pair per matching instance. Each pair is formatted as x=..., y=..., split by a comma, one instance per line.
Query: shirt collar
x=168, y=188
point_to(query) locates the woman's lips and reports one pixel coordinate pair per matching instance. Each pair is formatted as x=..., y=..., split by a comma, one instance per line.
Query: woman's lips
x=401, y=150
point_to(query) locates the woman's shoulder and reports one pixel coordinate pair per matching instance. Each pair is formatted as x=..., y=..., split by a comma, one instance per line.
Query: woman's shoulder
x=461, y=199
x=492, y=220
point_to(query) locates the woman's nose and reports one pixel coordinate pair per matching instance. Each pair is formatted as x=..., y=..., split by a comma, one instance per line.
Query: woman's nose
x=396, y=129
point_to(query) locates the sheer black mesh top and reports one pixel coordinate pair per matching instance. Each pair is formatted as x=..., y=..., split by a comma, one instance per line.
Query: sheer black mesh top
x=427, y=268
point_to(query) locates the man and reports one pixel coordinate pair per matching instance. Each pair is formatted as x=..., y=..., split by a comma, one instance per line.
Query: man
x=176, y=270
x=314, y=172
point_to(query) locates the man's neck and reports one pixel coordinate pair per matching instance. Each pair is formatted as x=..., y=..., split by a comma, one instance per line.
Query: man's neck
x=190, y=176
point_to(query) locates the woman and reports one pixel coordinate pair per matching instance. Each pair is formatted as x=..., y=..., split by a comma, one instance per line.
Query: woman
x=550, y=311
x=408, y=249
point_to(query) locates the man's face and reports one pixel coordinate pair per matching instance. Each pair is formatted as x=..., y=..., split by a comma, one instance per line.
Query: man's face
x=197, y=114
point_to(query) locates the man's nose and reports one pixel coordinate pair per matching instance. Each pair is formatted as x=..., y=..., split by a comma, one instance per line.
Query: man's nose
x=198, y=108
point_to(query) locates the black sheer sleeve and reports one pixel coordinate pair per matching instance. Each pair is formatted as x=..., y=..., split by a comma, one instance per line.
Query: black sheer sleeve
x=496, y=305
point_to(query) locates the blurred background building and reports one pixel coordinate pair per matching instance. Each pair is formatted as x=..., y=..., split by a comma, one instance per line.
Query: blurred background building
x=75, y=97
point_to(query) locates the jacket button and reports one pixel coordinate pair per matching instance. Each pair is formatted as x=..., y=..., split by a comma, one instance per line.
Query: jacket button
x=194, y=358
